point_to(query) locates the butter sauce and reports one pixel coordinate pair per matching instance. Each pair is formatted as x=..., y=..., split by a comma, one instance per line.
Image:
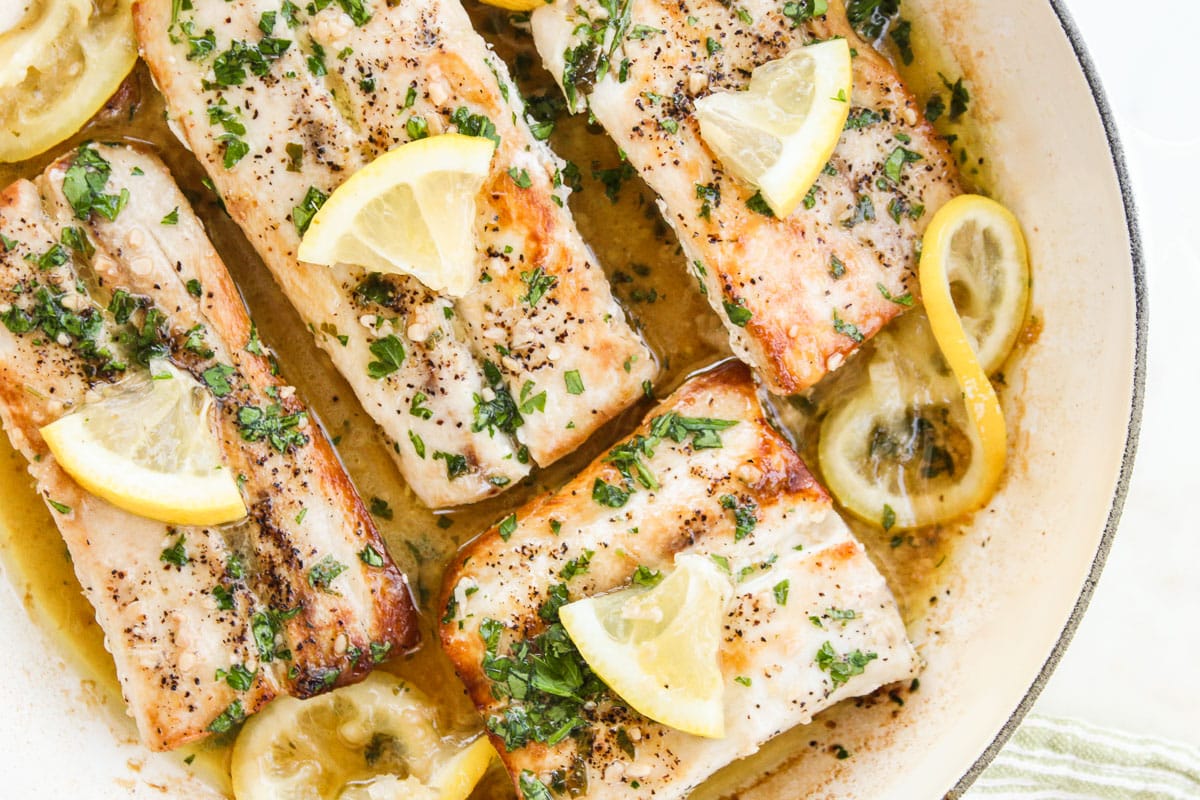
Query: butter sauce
x=646, y=269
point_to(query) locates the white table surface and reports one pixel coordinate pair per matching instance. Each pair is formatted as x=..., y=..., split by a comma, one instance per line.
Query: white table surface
x=1132, y=664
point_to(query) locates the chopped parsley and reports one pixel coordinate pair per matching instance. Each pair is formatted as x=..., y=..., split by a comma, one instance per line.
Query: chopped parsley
x=537, y=283
x=238, y=677
x=895, y=163
x=507, y=527
x=227, y=719
x=606, y=494
x=745, y=515
x=176, y=554
x=573, y=381
x=863, y=211
x=194, y=288
x=577, y=566
x=417, y=407
x=323, y=573
x=758, y=204
x=842, y=668
x=905, y=299
x=456, y=464
x=302, y=214
x=266, y=626
x=474, y=124
x=389, y=355
x=280, y=430
x=846, y=328
x=837, y=267
x=738, y=314
x=530, y=402
x=780, y=590
x=370, y=556
x=520, y=177
x=84, y=183
x=644, y=576
x=217, y=377
x=381, y=509
x=960, y=98
x=864, y=118
x=799, y=11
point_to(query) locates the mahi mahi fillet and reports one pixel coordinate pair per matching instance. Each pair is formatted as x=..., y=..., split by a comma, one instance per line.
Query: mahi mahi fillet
x=282, y=102
x=796, y=294
x=205, y=625
x=811, y=621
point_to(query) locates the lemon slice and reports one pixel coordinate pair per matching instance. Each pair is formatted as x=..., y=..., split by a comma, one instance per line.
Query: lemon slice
x=657, y=648
x=411, y=211
x=979, y=244
x=899, y=450
x=148, y=446
x=375, y=740
x=779, y=133
x=923, y=439
x=517, y=5
x=62, y=60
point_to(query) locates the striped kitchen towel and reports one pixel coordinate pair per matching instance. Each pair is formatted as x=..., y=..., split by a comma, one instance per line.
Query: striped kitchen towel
x=1054, y=759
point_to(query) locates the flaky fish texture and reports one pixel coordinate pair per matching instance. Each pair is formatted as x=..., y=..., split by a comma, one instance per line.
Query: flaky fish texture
x=282, y=105
x=796, y=295
x=205, y=625
x=811, y=621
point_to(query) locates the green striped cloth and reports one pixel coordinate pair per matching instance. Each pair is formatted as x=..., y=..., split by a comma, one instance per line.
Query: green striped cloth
x=1054, y=759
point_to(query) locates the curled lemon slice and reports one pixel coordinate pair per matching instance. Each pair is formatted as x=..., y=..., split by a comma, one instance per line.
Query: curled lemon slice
x=148, y=446
x=516, y=5
x=922, y=439
x=658, y=648
x=375, y=740
x=411, y=211
x=62, y=59
x=779, y=133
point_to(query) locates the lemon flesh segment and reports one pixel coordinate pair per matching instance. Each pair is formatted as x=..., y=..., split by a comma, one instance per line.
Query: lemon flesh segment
x=148, y=447
x=779, y=133
x=374, y=740
x=658, y=648
x=62, y=61
x=409, y=212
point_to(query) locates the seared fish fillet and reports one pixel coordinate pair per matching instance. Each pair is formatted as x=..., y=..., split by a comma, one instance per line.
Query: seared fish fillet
x=282, y=105
x=795, y=294
x=735, y=491
x=298, y=597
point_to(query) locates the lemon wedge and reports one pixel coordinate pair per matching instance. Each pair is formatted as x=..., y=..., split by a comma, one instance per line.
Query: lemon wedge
x=375, y=740
x=148, y=446
x=658, y=648
x=411, y=211
x=779, y=133
x=62, y=61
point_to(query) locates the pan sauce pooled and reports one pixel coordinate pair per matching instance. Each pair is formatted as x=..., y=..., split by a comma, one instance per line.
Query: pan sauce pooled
x=644, y=268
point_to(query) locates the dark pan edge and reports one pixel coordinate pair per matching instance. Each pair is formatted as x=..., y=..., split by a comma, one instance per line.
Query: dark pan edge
x=1141, y=324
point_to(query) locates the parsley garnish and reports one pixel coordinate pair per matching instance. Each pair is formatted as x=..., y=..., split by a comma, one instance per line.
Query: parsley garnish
x=846, y=328
x=456, y=464
x=238, y=677
x=804, y=10
x=905, y=299
x=216, y=378
x=84, y=183
x=738, y=314
x=577, y=566
x=842, y=668
x=780, y=591
x=302, y=214
x=270, y=423
x=323, y=573
x=644, y=576
x=609, y=495
x=745, y=515
x=380, y=508
x=538, y=283
x=228, y=718
x=474, y=124
x=370, y=556
x=389, y=352
x=895, y=162
x=573, y=381
x=507, y=527
x=175, y=554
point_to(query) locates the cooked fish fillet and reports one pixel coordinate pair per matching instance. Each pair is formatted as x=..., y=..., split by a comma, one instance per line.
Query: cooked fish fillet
x=538, y=348
x=284, y=596
x=796, y=294
x=744, y=498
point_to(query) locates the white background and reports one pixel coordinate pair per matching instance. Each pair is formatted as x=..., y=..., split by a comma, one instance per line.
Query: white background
x=1133, y=662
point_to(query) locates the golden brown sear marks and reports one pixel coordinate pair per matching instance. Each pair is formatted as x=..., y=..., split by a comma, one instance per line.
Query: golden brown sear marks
x=205, y=624
x=282, y=105
x=705, y=473
x=797, y=295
